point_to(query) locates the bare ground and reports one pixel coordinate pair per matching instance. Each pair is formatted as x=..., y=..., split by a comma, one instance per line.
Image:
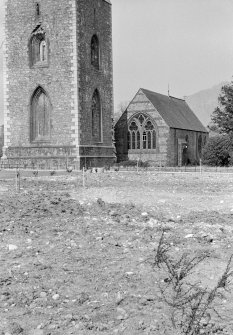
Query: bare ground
x=77, y=260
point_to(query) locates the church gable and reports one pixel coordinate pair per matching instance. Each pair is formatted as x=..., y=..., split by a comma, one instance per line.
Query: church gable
x=141, y=132
x=142, y=104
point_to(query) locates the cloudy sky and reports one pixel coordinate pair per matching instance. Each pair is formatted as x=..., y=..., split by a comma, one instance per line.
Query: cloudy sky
x=187, y=44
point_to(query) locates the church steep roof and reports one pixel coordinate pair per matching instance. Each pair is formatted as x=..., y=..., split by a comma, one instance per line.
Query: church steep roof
x=175, y=112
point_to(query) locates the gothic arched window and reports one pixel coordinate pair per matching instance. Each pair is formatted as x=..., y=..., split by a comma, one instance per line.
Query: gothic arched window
x=38, y=48
x=40, y=116
x=141, y=133
x=95, y=52
x=96, y=117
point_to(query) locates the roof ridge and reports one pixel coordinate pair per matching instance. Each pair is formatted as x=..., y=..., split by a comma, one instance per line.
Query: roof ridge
x=168, y=96
x=177, y=98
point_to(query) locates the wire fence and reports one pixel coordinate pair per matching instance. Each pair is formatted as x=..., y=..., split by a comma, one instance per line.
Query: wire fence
x=139, y=166
x=183, y=169
x=88, y=177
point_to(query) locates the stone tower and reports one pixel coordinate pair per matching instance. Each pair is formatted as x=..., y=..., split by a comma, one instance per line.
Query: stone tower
x=58, y=93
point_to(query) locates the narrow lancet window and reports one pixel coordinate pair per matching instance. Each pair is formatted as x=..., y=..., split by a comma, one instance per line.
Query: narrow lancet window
x=40, y=116
x=37, y=9
x=95, y=51
x=96, y=117
x=38, y=49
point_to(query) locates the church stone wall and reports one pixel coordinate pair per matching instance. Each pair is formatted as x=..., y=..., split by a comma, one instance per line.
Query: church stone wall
x=68, y=79
x=95, y=19
x=56, y=79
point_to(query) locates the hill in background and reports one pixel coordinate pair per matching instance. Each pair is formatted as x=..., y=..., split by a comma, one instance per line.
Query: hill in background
x=204, y=102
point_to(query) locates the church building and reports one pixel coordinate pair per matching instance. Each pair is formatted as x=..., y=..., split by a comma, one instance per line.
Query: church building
x=58, y=89
x=160, y=129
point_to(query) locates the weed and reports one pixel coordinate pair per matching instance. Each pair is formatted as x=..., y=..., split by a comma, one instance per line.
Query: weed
x=35, y=173
x=190, y=304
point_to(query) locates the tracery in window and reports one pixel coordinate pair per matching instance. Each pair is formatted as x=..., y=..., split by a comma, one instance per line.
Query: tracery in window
x=141, y=119
x=95, y=51
x=133, y=126
x=96, y=117
x=141, y=133
x=40, y=116
x=38, y=50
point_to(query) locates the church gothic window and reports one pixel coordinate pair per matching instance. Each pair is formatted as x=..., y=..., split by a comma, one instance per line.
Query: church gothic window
x=141, y=133
x=40, y=116
x=95, y=51
x=96, y=117
x=38, y=48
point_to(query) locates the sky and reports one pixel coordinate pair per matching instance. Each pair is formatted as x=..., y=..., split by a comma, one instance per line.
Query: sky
x=186, y=44
x=1, y=62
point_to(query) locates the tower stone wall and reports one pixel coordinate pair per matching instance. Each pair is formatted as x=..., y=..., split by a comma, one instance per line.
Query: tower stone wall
x=66, y=77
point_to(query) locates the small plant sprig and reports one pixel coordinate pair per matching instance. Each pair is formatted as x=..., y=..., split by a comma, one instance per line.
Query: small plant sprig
x=189, y=303
x=35, y=173
x=69, y=169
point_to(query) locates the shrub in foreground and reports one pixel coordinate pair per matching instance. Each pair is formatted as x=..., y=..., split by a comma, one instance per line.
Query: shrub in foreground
x=190, y=303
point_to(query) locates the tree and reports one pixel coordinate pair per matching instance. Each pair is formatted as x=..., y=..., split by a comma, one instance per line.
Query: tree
x=120, y=109
x=222, y=116
x=213, y=129
x=218, y=151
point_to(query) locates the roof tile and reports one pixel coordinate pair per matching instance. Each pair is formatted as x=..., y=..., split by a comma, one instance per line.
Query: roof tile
x=175, y=112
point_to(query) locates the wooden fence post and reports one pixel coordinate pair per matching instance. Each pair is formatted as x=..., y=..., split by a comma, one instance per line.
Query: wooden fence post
x=17, y=180
x=84, y=184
